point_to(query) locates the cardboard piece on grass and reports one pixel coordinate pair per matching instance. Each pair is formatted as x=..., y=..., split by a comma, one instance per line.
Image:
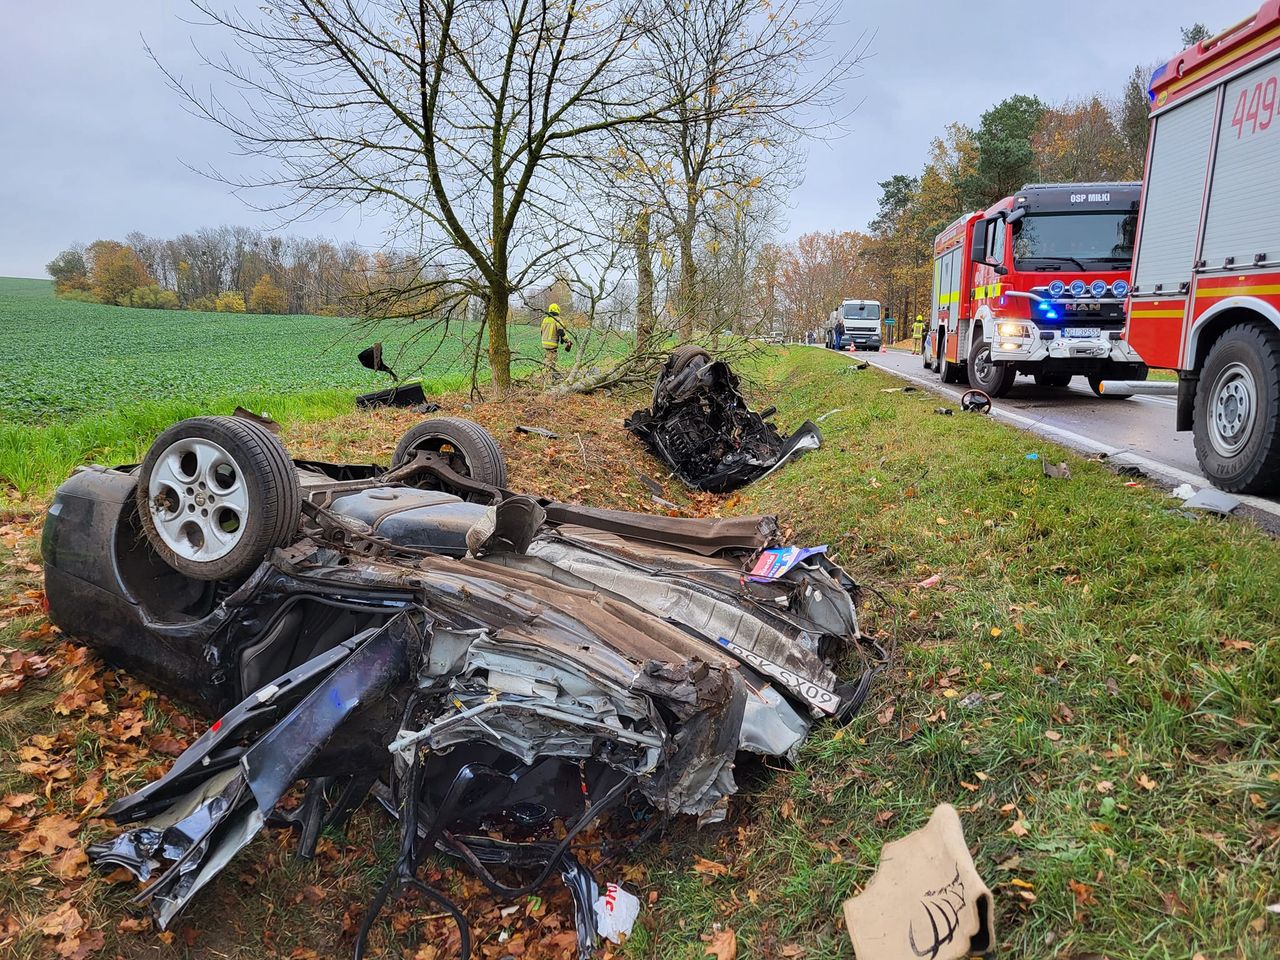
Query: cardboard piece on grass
x=925, y=900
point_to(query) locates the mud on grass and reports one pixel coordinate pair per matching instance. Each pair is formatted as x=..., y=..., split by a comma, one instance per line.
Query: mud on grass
x=1092, y=680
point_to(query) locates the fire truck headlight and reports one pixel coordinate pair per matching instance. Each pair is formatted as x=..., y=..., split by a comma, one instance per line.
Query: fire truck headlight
x=1057, y=288
x=1098, y=288
x=1010, y=346
x=1120, y=289
x=1011, y=329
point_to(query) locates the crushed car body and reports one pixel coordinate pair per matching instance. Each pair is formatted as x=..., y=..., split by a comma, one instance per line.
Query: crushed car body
x=481, y=662
x=700, y=426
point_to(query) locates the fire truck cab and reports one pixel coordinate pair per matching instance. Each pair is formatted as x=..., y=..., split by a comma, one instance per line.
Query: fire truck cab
x=1036, y=284
x=1206, y=282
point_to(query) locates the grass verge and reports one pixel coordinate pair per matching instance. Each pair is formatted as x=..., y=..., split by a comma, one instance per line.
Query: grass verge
x=1092, y=680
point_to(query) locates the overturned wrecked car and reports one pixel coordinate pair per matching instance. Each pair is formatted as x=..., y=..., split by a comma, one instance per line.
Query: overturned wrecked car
x=700, y=426
x=485, y=664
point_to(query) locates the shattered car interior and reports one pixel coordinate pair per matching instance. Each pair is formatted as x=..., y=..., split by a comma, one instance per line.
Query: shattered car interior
x=499, y=671
x=700, y=426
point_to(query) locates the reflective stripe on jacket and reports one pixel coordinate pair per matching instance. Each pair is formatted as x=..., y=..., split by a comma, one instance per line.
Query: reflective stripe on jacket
x=551, y=331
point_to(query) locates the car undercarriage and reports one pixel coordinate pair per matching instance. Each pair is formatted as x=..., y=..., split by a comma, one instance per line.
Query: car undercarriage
x=499, y=671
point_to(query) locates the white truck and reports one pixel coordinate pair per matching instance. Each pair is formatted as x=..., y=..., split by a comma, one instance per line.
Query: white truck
x=861, y=319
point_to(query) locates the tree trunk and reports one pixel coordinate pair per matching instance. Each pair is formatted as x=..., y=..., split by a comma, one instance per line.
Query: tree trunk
x=644, y=283
x=688, y=271
x=497, y=304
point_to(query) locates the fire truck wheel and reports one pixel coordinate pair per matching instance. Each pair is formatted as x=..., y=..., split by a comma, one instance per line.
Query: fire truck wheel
x=993, y=379
x=949, y=372
x=1237, y=411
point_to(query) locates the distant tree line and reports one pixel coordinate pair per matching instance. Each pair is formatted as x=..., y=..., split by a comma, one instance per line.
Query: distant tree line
x=230, y=269
x=1019, y=140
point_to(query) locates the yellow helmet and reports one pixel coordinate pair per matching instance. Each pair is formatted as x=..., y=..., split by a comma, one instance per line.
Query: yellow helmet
x=553, y=309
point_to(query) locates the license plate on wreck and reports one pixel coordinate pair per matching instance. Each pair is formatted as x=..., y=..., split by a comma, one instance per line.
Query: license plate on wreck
x=1082, y=332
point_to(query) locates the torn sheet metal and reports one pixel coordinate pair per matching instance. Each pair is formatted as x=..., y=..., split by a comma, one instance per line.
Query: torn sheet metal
x=701, y=427
x=486, y=664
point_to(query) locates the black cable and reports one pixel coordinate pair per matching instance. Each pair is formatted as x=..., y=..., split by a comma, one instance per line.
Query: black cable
x=553, y=860
x=404, y=872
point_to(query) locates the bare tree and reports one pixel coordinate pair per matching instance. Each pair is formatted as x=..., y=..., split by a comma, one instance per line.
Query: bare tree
x=749, y=80
x=472, y=121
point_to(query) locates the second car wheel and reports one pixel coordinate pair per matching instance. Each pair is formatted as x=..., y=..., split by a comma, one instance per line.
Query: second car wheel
x=985, y=374
x=468, y=448
x=215, y=494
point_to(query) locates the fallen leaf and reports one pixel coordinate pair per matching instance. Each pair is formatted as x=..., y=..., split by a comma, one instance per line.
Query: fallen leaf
x=1053, y=735
x=884, y=816
x=1083, y=893
x=723, y=945
x=1145, y=782
x=71, y=864
x=710, y=868
x=49, y=835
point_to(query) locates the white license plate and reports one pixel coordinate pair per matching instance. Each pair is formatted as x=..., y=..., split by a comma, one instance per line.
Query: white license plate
x=1082, y=332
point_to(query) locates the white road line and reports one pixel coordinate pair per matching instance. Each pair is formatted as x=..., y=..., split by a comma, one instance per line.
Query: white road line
x=1119, y=455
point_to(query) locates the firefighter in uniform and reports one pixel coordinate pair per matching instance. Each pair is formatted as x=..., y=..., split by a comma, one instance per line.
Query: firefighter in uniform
x=553, y=334
x=917, y=335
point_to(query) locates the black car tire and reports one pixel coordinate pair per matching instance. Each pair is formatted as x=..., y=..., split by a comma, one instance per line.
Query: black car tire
x=1053, y=379
x=950, y=372
x=680, y=358
x=684, y=355
x=993, y=379
x=272, y=497
x=470, y=448
x=1255, y=467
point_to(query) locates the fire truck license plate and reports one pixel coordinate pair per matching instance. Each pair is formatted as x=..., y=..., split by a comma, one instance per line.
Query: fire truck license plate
x=1082, y=332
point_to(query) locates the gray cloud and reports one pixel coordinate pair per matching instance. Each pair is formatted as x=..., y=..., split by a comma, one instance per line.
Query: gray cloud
x=93, y=143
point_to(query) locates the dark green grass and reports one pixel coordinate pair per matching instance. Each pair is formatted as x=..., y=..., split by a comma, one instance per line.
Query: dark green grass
x=85, y=382
x=65, y=360
x=1147, y=641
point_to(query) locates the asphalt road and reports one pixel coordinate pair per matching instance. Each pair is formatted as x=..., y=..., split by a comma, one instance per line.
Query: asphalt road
x=1138, y=431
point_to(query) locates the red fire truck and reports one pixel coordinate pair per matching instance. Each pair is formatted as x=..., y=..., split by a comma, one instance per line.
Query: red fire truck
x=1206, y=283
x=1036, y=284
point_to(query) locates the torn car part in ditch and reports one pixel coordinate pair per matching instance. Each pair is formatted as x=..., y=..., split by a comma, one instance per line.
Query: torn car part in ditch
x=499, y=671
x=701, y=427
x=401, y=395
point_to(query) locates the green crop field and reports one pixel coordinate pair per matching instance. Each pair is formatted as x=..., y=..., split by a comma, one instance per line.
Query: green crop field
x=65, y=360
x=82, y=381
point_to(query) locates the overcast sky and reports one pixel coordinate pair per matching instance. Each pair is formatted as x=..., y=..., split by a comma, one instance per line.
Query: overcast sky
x=93, y=144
